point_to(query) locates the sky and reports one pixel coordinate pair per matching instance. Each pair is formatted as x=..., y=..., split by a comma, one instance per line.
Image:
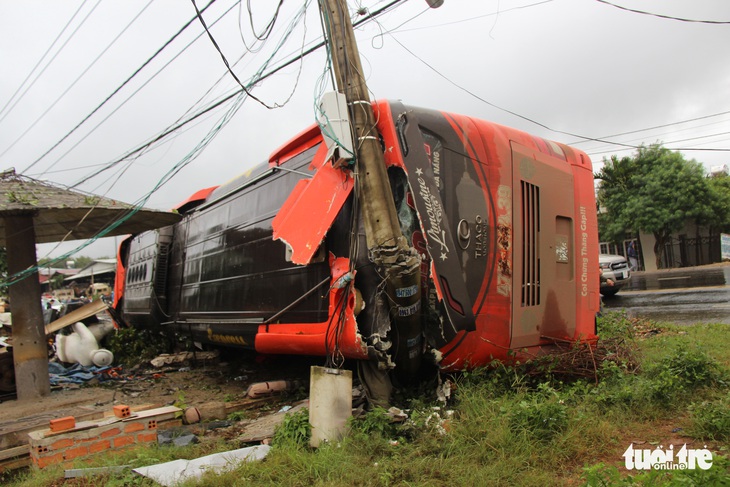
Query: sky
x=86, y=83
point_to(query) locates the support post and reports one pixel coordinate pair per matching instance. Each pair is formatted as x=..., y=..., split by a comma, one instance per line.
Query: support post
x=30, y=351
x=400, y=263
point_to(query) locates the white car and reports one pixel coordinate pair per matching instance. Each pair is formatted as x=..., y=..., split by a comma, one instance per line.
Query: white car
x=616, y=268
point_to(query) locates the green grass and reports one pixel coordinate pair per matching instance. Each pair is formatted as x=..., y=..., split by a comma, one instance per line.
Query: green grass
x=531, y=425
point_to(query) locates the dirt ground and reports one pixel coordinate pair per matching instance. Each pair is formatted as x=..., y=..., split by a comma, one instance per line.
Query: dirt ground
x=224, y=380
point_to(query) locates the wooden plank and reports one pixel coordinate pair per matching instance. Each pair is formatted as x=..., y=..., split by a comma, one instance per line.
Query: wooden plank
x=15, y=433
x=264, y=427
x=167, y=412
x=247, y=404
x=14, y=452
x=77, y=315
x=15, y=463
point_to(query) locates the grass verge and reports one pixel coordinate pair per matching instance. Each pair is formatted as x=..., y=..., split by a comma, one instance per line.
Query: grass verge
x=654, y=385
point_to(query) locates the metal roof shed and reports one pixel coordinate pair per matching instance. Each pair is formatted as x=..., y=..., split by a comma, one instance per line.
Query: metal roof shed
x=31, y=212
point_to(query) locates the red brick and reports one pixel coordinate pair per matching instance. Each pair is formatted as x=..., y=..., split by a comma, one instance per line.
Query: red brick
x=132, y=427
x=62, y=443
x=72, y=453
x=123, y=441
x=152, y=424
x=147, y=437
x=100, y=446
x=43, y=462
x=122, y=411
x=63, y=424
x=111, y=432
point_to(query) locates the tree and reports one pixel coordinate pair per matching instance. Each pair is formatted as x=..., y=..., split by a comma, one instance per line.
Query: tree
x=720, y=201
x=655, y=191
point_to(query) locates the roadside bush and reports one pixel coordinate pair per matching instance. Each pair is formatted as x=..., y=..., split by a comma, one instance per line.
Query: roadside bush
x=134, y=346
x=376, y=421
x=615, y=324
x=711, y=419
x=683, y=370
x=295, y=429
x=541, y=415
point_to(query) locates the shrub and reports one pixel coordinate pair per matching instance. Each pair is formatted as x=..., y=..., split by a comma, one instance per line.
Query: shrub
x=541, y=415
x=294, y=429
x=685, y=369
x=133, y=346
x=711, y=419
x=376, y=421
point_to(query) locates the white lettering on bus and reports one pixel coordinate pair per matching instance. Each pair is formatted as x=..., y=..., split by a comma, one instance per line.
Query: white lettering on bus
x=583, y=251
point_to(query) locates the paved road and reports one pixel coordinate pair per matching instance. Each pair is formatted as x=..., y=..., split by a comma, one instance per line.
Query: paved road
x=683, y=306
x=683, y=296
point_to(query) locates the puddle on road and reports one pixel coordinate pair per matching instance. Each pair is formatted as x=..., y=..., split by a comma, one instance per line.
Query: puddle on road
x=719, y=276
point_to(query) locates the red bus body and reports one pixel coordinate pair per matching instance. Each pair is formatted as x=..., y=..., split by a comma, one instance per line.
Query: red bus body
x=504, y=222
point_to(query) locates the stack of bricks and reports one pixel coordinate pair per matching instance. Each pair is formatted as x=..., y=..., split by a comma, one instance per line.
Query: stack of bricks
x=67, y=440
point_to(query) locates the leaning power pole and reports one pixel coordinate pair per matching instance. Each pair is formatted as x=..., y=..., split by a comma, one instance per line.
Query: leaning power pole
x=398, y=262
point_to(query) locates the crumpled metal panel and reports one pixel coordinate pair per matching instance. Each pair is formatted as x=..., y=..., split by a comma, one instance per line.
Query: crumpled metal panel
x=308, y=213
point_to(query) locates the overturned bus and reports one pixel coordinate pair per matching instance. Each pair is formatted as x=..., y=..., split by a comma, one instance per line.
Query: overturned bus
x=275, y=261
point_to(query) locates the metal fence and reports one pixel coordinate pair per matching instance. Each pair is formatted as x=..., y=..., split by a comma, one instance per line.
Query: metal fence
x=688, y=252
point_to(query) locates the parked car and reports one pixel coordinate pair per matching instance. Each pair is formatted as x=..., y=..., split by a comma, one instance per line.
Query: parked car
x=616, y=268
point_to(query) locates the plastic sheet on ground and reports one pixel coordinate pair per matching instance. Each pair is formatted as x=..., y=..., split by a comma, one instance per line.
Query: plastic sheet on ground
x=78, y=374
x=176, y=471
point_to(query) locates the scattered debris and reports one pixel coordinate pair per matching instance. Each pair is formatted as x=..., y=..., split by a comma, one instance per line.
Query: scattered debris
x=396, y=415
x=79, y=374
x=191, y=416
x=170, y=437
x=171, y=473
x=82, y=347
x=264, y=427
x=184, y=358
x=440, y=420
x=261, y=389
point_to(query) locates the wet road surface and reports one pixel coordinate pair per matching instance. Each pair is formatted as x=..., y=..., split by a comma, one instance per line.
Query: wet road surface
x=680, y=296
x=680, y=278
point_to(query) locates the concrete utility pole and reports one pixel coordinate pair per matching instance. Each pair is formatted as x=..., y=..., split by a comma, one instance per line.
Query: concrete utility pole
x=30, y=350
x=390, y=250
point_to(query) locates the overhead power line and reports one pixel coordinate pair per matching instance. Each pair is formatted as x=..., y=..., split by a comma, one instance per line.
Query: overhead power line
x=258, y=77
x=669, y=17
x=523, y=117
x=225, y=61
x=60, y=97
x=52, y=59
x=216, y=104
x=133, y=94
x=169, y=41
x=653, y=128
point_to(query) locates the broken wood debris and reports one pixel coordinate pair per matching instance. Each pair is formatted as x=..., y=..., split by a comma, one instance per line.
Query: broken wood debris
x=184, y=358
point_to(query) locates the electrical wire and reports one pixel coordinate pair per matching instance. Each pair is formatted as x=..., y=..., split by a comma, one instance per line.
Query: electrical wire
x=669, y=17
x=256, y=79
x=470, y=19
x=663, y=134
x=523, y=117
x=654, y=127
x=267, y=30
x=271, y=72
x=60, y=97
x=225, y=61
x=191, y=156
x=137, y=71
x=43, y=57
x=133, y=94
